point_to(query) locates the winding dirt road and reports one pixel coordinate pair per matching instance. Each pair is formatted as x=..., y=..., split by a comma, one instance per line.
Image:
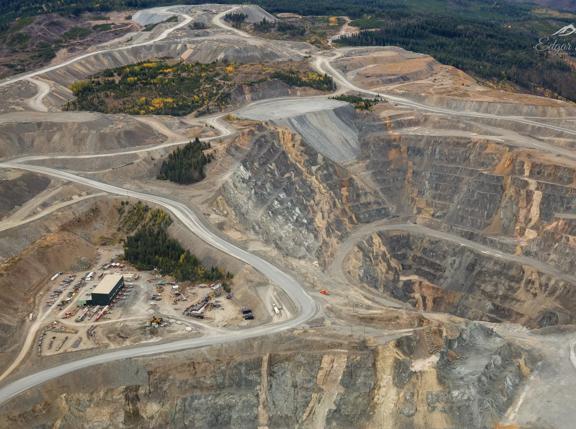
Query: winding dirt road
x=306, y=306
x=37, y=102
x=187, y=19
x=324, y=65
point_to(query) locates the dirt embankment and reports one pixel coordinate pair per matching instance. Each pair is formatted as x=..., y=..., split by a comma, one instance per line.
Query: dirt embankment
x=26, y=133
x=15, y=191
x=22, y=280
x=420, y=77
x=23, y=277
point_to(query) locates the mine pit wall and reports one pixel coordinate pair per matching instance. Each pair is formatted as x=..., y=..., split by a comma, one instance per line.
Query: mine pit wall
x=293, y=197
x=547, y=109
x=440, y=276
x=480, y=190
x=433, y=379
x=512, y=200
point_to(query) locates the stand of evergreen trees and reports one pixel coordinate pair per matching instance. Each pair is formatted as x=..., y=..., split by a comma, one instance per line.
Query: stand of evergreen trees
x=235, y=18
x=151, y=247
x=186, y=164
x=293, y=30
x=360, y=103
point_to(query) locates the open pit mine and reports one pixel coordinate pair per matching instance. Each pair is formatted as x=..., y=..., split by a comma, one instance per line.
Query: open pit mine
x=407, y=265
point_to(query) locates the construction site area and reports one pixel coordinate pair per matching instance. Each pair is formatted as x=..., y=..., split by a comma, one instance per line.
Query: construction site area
x=113, y=304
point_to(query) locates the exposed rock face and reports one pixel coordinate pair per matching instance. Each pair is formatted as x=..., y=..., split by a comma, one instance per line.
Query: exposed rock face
x=437, y=275
x=474, y=188
x=483, y=382
x=294, y=197
x=305, y=191
x=426, y=380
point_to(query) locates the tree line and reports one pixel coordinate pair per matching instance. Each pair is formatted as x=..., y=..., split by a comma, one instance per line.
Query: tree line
x=487, y=50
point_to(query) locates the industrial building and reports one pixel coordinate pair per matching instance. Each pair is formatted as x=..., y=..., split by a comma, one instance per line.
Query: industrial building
x=107, y=289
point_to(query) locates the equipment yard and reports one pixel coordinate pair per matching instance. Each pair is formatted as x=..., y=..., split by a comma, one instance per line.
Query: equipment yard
x=149, y=307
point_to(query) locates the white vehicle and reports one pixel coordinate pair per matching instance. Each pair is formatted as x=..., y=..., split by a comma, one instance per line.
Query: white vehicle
x=55, y=276
x=276, y=309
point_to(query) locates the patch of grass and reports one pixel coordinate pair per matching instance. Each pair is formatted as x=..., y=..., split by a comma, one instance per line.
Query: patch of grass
x=76, y=33
x=102, y=27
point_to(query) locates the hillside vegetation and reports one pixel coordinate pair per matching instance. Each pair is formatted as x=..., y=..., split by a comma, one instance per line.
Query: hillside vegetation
x=314, y=80
x=32, y=41
x=150, y=247
x=154, y=87
x=492, y=51
x=235, y=18
x=177, y=88
x=186, y=164
x=359, y=103
x=492, y=40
